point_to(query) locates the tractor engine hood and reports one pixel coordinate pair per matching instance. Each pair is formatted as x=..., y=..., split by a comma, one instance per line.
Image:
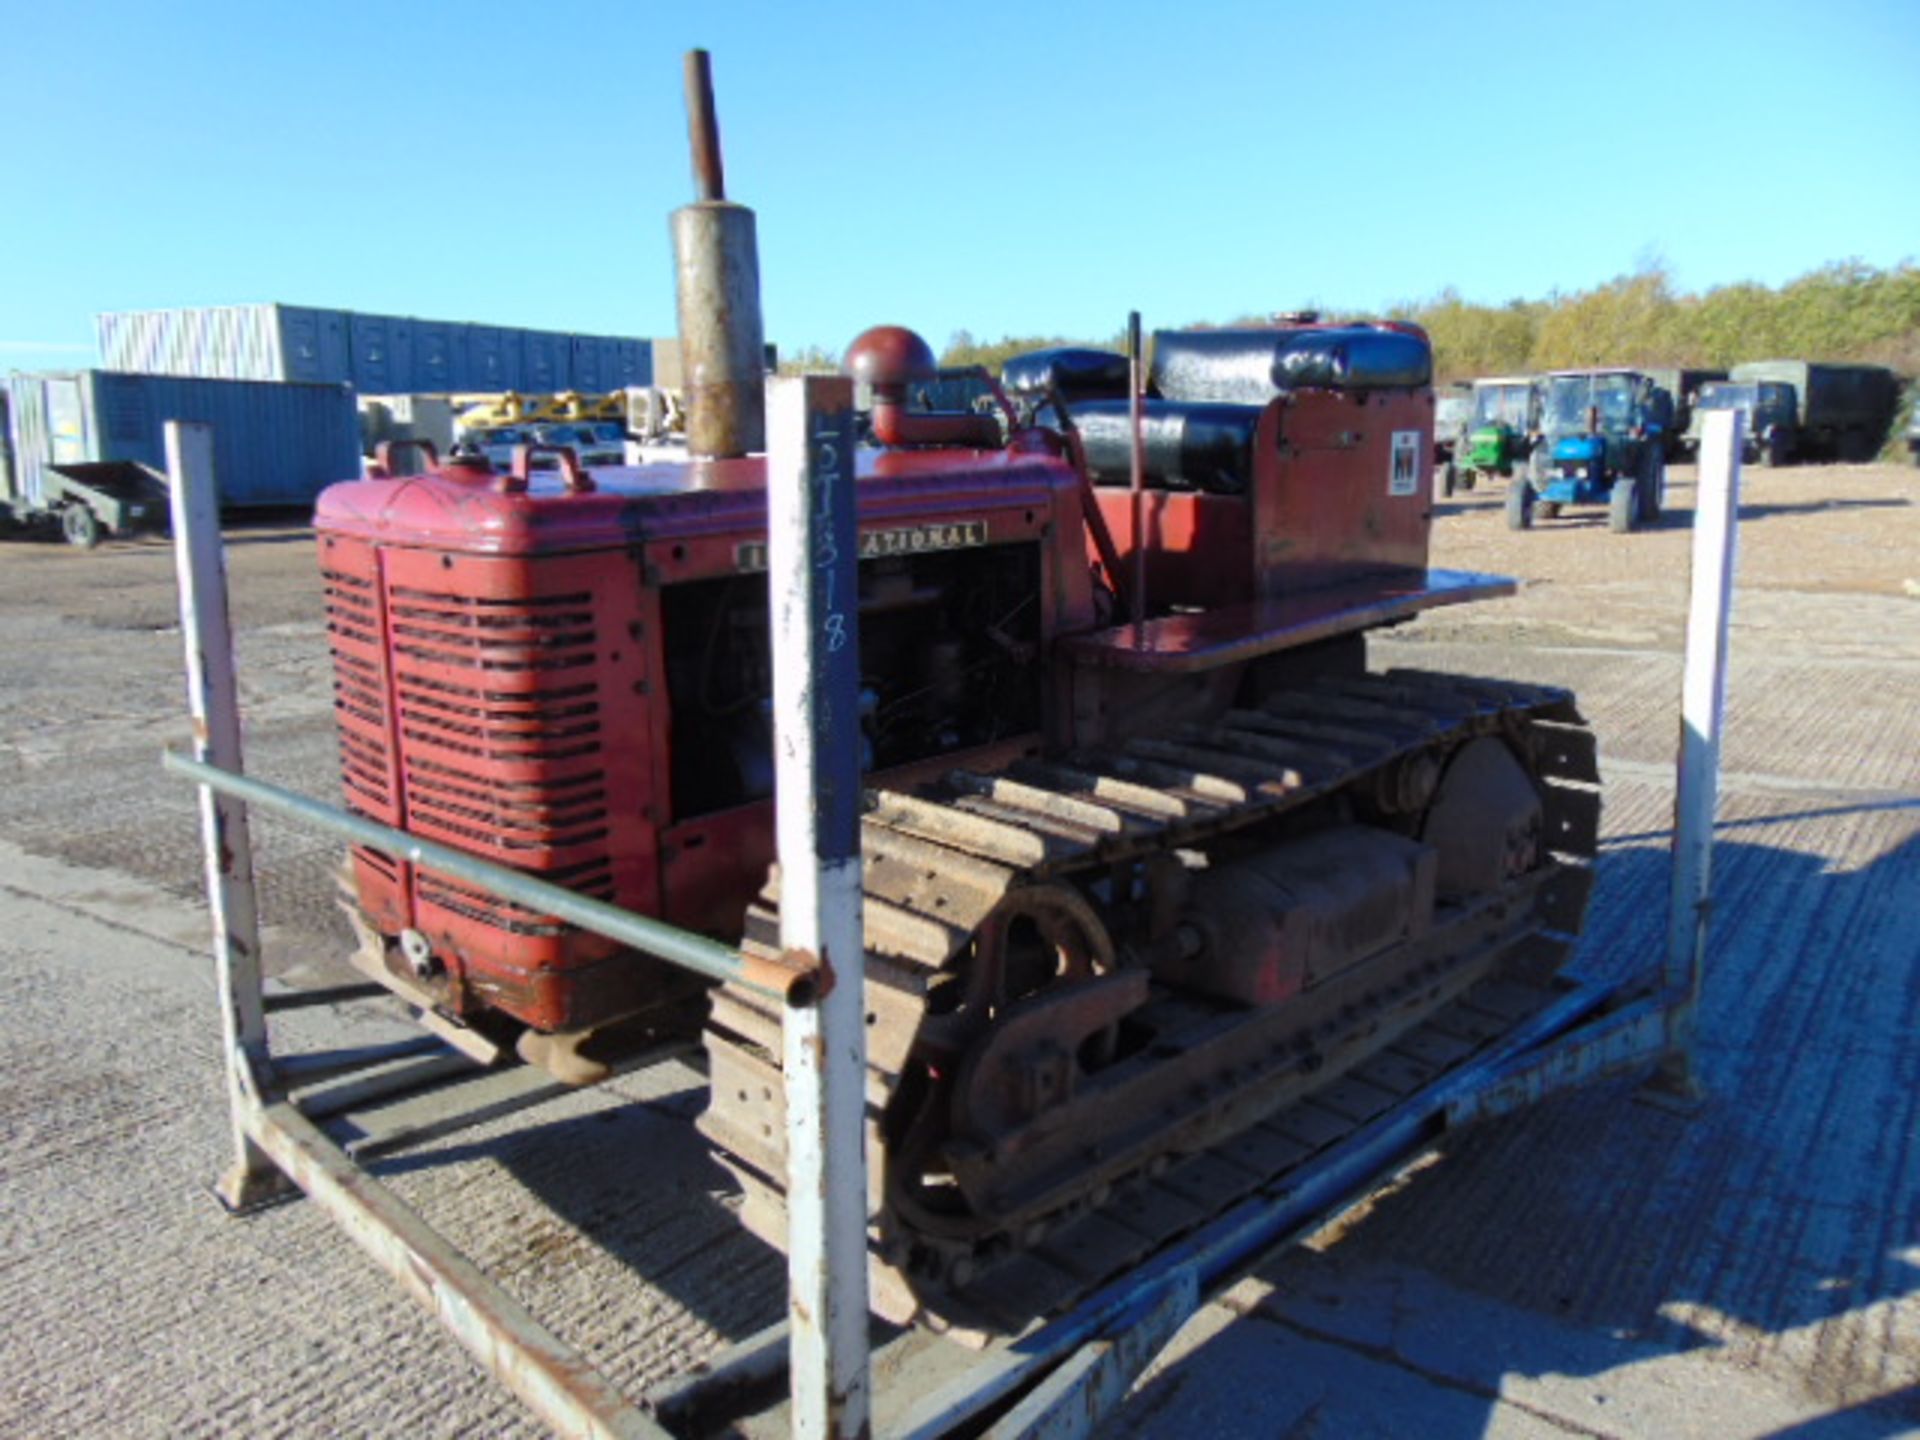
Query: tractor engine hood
x=1579, y=449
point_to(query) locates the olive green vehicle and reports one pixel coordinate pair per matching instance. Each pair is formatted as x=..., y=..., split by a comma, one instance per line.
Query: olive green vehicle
x=1502, y=429
x=1798, y=411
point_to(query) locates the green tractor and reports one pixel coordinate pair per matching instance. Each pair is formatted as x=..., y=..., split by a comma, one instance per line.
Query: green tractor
x=1502, y=429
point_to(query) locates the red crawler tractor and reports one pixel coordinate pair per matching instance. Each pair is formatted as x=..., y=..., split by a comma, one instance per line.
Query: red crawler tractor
x=1133, y=882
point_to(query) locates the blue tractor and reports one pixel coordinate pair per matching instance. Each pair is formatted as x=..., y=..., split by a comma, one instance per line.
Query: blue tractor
x=1605, y=445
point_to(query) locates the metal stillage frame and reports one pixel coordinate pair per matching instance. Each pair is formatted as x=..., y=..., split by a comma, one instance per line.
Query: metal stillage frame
x=811, y=562
x=1059, y=1379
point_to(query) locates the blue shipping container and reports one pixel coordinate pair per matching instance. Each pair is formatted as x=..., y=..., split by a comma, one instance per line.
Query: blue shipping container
x=273, y=444
x=436, y=357
x=314, y=346
x=635, y=363
x=492, y=360
x=544, y=362
x=589, y=368
x=376, y=354
x=382, y=354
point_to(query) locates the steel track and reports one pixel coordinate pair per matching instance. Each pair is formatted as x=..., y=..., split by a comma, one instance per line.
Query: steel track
x=936, y=869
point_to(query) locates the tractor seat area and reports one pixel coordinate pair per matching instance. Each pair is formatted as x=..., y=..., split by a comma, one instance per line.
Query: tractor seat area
x=1206, y=392
x=1189, y=446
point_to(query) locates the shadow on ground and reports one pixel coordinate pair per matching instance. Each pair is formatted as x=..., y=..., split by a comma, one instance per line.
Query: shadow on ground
x=1592, y=1236
x=1769, y=1231
x=636, y=1185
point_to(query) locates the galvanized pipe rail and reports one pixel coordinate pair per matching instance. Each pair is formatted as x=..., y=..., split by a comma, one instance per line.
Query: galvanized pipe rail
x=655, y=937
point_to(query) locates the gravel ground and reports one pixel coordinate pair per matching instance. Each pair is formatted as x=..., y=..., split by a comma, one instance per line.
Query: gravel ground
x=1594, y=1267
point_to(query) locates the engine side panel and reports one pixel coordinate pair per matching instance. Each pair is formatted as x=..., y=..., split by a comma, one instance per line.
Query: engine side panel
x=558, y=682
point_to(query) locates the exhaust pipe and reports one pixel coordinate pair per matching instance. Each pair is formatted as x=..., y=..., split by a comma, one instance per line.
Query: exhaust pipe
x=717, y=285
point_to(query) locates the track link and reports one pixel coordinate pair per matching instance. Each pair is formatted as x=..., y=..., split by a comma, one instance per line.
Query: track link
x=935, y=870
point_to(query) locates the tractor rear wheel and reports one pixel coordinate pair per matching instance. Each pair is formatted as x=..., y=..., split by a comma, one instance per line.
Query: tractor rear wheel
x=1623, y=508
x=1519, y=504
x=80, y=526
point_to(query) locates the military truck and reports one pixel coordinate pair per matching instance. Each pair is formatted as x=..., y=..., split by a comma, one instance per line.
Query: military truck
x=1502, y=429
x=1604, y=443
x=1771, y=408
x=1799, y=410
x=1683, y=384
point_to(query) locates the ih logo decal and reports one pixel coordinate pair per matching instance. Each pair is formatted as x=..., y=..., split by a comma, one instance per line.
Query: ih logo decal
x=1405, y=479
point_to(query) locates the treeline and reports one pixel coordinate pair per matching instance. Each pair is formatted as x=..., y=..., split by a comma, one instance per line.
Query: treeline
x=1845, y=311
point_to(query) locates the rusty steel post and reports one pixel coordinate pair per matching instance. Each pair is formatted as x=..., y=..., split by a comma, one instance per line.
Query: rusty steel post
x=703, y=128
x=813, y=584
x=717, y=287
x=213, y=698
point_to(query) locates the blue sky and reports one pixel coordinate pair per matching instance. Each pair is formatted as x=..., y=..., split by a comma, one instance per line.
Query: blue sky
x=1003, y=169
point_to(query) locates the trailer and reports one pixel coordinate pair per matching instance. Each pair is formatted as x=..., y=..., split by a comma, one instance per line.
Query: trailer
x=87, y=502
x=80, y=500
x=87, y=451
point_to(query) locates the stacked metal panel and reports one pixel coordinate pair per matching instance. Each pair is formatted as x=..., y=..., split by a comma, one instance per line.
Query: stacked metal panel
x=273, y=443
x=376, y=354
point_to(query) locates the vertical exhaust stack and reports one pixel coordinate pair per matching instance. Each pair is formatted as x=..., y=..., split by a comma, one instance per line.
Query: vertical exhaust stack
x=717, y=283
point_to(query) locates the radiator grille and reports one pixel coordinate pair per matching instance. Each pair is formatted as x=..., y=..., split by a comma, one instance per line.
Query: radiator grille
x=594, y=878
x=501, y=735
x=359, y=692
x=527, y=634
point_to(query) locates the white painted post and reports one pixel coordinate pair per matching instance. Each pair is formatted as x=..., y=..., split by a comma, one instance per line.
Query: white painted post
x=813, y=579
x=1716, y=513
x=212, y=696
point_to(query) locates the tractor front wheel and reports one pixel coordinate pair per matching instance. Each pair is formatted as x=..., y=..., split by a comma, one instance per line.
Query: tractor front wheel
x=1623, y=507
x=1653, y=501
x=1519, y=504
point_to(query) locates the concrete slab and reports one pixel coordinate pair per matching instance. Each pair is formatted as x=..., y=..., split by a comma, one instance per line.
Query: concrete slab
x=1594, y=1267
